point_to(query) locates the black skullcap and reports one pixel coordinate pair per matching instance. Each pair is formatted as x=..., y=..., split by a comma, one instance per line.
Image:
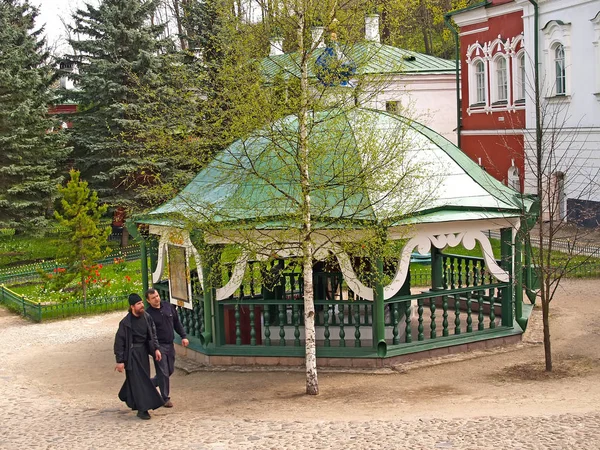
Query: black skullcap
x=134, y=298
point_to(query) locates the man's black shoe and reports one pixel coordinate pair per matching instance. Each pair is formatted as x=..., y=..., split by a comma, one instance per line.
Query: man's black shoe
x=144, y=415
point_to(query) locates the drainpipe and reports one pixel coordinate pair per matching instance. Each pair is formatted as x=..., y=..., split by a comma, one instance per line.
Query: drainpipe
x=457, y=62
x=538, y=122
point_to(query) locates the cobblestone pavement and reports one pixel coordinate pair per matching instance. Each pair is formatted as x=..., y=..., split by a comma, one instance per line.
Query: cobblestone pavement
x=38, y=415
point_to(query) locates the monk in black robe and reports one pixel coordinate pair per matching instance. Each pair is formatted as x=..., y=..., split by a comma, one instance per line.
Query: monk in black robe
x=134, y=341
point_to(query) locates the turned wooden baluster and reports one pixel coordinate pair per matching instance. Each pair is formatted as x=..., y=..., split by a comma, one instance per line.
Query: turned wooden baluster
x=433, y=325
x=342, y=332
x=267, y=318
x=281, y=324
x=408, y=328
x=395, y=318
x=445, y=315
x=356, y=326
x=420, y=312
x=456, y=314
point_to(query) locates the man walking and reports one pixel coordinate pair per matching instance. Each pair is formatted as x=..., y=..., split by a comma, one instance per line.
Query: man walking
x=134, y=341
x=167, y=321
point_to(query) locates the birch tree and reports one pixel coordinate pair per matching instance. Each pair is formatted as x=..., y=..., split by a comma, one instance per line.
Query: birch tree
x=307, y=166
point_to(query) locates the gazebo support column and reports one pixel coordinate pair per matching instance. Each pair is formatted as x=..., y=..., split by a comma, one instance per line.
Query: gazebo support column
x=522, y=321
x=507, y=292
x=207, y=336
x=378, y=312
x=211, y=257
x=437, y=279
x=152, y=250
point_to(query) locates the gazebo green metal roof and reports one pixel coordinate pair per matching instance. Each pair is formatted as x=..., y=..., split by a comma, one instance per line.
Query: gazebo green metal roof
x=371, y=58
x=256, y=180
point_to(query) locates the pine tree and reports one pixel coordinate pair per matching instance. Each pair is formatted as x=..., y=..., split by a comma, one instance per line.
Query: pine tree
x=117, y=46
x=86, y=240
x=30, y=151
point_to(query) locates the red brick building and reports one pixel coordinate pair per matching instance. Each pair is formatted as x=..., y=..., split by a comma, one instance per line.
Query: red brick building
x=493, y=62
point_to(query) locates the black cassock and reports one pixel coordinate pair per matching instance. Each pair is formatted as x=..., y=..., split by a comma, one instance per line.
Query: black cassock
x=138, y=391
x=135, y=340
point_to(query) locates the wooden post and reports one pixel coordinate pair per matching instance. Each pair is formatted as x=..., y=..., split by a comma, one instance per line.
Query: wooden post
x=522, y=321
x=378, y=312
x=506, y=261
x=207, y=337
x=437, y=279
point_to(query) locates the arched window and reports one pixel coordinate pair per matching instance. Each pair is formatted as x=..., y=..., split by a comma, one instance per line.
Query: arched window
x=513, y=180
x=559, y=69
x=480, y=80
x=520, y=87
x=501, y=77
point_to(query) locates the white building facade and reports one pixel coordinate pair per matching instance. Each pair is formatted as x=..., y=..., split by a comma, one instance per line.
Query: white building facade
x=413, y=84
x=569, y=85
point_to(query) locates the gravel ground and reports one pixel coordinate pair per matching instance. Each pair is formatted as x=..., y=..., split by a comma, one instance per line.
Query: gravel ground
x=58, y=390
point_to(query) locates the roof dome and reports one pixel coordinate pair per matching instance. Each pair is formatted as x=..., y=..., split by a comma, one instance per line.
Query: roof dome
x=364, y=165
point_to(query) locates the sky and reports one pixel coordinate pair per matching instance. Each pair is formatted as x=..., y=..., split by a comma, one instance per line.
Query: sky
x=50, y=13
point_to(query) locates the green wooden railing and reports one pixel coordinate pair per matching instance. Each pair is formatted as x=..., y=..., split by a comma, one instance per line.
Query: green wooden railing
x=39, y=312
x=268, y=313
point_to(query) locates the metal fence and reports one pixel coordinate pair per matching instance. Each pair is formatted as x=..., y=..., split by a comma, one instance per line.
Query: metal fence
x=560, y=245
x=39, y=312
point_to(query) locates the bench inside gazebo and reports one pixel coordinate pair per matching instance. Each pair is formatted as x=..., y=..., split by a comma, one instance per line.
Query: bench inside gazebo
x=249, y=309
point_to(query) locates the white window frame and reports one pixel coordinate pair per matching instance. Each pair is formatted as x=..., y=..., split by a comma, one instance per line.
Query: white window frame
x=513, y=179
x=560, y=73
x=596, y=22
x=557, y=33
x=477, y=53
x=495, y=80
x=520, y=77
x=518, y=72
x=476, y=86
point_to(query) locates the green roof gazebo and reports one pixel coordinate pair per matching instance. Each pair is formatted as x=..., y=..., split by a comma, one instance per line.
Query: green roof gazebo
x=250, y=311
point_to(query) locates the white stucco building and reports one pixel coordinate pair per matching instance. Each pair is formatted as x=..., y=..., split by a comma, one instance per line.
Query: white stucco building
x=419, y=86
x=568, y=33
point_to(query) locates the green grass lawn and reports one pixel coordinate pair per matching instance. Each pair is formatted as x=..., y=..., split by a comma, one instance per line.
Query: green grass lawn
x=22, y=249
x=112, y=280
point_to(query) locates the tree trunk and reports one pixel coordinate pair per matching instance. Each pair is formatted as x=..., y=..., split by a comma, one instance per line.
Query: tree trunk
x=124, y=237
x=425, y=28
x=312, y=383
x=546, y=322
x=179, y=21
x=83, y=287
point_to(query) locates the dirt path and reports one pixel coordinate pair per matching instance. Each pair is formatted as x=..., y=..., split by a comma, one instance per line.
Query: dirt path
x=71, y=363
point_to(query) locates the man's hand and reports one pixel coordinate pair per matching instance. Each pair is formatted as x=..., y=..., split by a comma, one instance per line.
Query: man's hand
x=120, y=367
x=185, y=342
x=157, y=355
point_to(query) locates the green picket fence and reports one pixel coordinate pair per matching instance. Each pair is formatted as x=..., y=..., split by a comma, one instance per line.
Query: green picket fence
x=39, y=312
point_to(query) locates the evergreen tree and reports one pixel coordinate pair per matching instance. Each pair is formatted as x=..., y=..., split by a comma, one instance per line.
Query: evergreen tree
x=86, y=240
x=118, y=45
x=184, y=111
x=30, y=151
